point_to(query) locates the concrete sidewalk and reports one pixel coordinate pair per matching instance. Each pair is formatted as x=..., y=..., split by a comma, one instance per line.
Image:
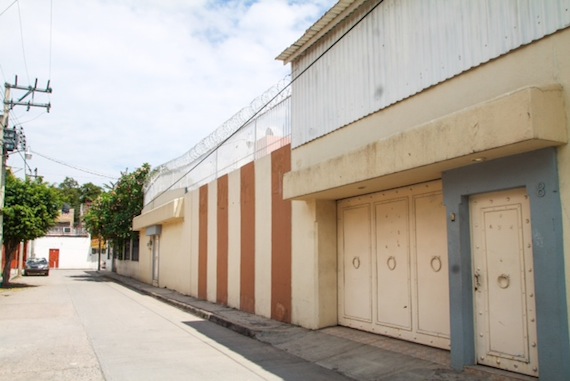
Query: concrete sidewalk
x=356, y=354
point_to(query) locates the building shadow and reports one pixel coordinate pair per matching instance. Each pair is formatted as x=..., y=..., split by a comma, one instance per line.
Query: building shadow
x=16, y=285
x=90, y=276
x=273, y=360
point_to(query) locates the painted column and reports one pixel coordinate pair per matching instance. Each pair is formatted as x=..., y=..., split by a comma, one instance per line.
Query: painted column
x=234, y=239
x=280, y=237
x=263, y=226
x=247, y=238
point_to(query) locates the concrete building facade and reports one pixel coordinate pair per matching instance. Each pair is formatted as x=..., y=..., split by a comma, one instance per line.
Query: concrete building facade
x=424, y=194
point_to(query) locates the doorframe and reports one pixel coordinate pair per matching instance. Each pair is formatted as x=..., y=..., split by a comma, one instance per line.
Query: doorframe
x=538, y=172
x=155, y=258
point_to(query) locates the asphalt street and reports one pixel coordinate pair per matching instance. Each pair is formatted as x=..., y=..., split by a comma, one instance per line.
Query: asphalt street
x=75, y=326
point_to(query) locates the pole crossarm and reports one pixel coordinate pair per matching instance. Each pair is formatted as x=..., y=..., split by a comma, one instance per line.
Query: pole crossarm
x=29, y=104
x=30, y=90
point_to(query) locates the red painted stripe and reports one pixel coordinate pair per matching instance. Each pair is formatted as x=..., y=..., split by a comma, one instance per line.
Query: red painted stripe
x=280, y=237
x=247, y=232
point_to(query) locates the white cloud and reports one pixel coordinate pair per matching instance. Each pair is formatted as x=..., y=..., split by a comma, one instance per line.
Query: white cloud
x=139, y=81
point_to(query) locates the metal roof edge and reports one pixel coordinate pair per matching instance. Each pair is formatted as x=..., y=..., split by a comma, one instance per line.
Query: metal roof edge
x=334, y=16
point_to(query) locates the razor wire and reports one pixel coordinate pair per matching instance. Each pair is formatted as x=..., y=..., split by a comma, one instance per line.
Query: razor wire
x=254, y=131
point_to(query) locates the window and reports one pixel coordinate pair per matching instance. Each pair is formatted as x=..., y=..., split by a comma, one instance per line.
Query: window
x=119, y=251
x=135, y=247
x=127, y=251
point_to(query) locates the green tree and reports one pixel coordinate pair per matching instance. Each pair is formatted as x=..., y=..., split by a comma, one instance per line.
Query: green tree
x=97, y=217
x=31, y=209
x=73, y=195
x=111, y=214
x=89, y=193
x=69, y=190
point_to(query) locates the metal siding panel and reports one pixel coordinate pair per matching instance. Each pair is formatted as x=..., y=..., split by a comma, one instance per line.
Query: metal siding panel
x=404, y=47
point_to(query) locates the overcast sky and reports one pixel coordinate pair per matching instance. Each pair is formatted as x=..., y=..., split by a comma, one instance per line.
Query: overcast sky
x=138, y=81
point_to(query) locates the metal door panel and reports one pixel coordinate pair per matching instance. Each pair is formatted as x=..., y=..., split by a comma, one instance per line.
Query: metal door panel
x=356, y=263
x=503, y=281
x=401, y=286
x=53, y=258
x=507, y=308
x=394, y=306
x=431, y=264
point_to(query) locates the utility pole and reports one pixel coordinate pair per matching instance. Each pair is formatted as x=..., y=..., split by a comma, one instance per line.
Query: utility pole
x=9, y=104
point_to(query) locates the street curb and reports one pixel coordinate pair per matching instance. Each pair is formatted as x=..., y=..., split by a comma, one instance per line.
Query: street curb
x=199, y=312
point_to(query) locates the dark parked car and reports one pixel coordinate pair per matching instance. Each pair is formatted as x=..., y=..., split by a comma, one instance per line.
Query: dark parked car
x=37, y=266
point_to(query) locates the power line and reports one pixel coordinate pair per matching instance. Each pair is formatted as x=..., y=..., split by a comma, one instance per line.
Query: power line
x=8, y=7
x=50, y=36
x=73, y=166
x=26, y=165
x=22, y=41
x=18, y=121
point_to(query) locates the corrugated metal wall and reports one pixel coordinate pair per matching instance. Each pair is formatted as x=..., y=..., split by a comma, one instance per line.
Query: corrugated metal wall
x=405, y=46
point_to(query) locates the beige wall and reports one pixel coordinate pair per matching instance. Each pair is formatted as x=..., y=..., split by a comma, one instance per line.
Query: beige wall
x=212, y=240
x=179, y=241
x=234, y=239
x=191, y=238
x=263, y=236
x=141, y=269
x=314, y=264
x=174, y=259
x=130, y=269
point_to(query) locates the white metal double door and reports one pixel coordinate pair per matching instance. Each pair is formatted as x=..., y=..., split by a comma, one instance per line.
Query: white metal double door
x=393, y=266
x=503, y=279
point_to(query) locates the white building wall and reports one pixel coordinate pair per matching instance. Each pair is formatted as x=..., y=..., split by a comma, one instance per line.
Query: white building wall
x=74, y=252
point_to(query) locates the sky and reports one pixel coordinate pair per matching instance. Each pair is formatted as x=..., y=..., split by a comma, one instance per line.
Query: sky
x=137, y=81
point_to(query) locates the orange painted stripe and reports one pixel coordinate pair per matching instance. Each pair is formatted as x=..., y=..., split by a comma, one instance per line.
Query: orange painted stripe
x=222, y=262
x=280, y=237
x=203, y=243
x=247, y=225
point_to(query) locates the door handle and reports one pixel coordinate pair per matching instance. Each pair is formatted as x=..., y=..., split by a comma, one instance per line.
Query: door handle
x=477, y=282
